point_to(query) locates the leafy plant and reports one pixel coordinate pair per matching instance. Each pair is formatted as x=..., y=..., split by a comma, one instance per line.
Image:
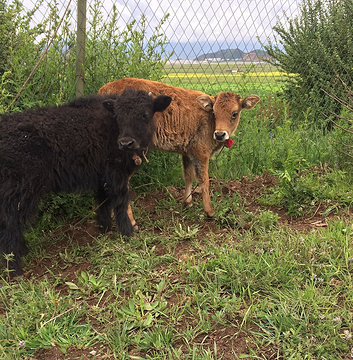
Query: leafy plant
x=314, y=47
x=185, y=234
x=87, y=283
x=141, y=311
x=266, y=220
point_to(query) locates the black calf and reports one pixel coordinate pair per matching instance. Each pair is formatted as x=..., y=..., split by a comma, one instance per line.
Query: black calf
x=87, y=144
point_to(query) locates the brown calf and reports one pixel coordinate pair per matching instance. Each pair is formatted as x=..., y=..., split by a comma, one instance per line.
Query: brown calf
x=195, y=125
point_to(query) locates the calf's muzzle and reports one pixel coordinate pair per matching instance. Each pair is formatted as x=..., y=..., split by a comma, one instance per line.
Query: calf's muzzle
x=128, y=143
x=220, y=135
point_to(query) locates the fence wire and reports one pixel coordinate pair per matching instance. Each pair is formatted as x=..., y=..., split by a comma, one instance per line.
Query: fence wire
x=211, y=45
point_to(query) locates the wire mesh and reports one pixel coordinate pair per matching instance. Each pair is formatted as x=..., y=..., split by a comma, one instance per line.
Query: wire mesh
x=211, y=46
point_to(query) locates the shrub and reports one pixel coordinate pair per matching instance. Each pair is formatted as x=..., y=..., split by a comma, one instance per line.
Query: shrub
x=317, y=48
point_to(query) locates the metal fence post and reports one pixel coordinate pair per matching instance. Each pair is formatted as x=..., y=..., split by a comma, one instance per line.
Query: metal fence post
x=80, y=54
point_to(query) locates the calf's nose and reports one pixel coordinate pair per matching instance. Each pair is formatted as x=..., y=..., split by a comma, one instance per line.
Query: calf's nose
x=127, y=143
x=220, y=135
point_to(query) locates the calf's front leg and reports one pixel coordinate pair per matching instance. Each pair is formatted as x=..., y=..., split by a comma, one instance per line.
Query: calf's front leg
x=197, y=166
x=121, y=206
x=204, y=183
x=103, y=213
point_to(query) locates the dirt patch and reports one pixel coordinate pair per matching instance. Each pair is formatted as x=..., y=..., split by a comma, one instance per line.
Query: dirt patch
x=72, y=353
x=71, y=236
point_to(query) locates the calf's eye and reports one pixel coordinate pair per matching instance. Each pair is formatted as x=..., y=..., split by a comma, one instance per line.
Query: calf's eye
x=234, y=115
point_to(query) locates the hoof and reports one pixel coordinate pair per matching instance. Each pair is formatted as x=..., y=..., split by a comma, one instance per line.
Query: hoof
x=187, y=204
x=210, y=214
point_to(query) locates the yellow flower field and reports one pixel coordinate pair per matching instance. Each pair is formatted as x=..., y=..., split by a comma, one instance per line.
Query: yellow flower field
x=236, y=74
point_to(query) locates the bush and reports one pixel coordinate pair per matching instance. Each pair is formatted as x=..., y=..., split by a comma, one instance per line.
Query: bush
x=315, y=46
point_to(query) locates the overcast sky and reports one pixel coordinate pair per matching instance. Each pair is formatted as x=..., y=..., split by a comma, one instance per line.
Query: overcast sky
x=211, y=24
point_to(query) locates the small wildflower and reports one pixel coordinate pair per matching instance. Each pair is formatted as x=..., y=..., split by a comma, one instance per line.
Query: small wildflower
x=337, y=320
x=93, y=352
x=322, y=317
x=314, y=277
x=22, y=344
x=347, y=334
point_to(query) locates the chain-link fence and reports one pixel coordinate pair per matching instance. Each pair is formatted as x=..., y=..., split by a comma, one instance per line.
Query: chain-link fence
x=208, y=45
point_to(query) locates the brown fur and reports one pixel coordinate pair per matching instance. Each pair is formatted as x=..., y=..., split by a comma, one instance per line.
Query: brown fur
x=190, y=127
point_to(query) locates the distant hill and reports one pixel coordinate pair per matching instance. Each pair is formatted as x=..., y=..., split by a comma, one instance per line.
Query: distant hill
x=232, y=54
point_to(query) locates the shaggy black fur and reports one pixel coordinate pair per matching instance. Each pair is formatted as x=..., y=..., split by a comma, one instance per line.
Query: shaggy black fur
x=86, y=144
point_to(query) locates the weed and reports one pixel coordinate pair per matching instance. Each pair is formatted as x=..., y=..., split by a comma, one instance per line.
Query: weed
x=87, y=283
x=141, y=311
x=187, y=234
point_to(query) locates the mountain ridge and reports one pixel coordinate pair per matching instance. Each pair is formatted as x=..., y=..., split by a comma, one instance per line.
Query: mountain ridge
x=231, y=54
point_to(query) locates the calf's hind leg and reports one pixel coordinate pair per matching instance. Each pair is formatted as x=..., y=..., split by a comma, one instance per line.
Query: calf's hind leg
x=131, y=217
x=189, y=176
x=14, y=216
x=12, y=242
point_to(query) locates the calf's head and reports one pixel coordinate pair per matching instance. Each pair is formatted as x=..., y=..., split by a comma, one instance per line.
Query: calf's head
x=133, y=111
x=226, y=108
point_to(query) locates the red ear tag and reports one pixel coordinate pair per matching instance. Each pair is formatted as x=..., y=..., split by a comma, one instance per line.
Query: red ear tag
x=229, y=143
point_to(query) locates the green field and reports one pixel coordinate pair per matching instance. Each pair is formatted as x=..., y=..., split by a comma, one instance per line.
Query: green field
x=238, y=77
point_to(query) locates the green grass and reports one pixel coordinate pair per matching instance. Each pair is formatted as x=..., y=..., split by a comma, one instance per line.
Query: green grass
x=186, y=291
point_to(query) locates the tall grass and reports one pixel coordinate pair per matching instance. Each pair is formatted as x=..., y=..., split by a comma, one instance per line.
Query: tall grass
x=260, y=146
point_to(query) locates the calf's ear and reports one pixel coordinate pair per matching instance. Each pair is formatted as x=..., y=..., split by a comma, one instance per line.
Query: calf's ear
x=205, y=102
x=161, y=102
x=250, y=101
x=109, y=105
